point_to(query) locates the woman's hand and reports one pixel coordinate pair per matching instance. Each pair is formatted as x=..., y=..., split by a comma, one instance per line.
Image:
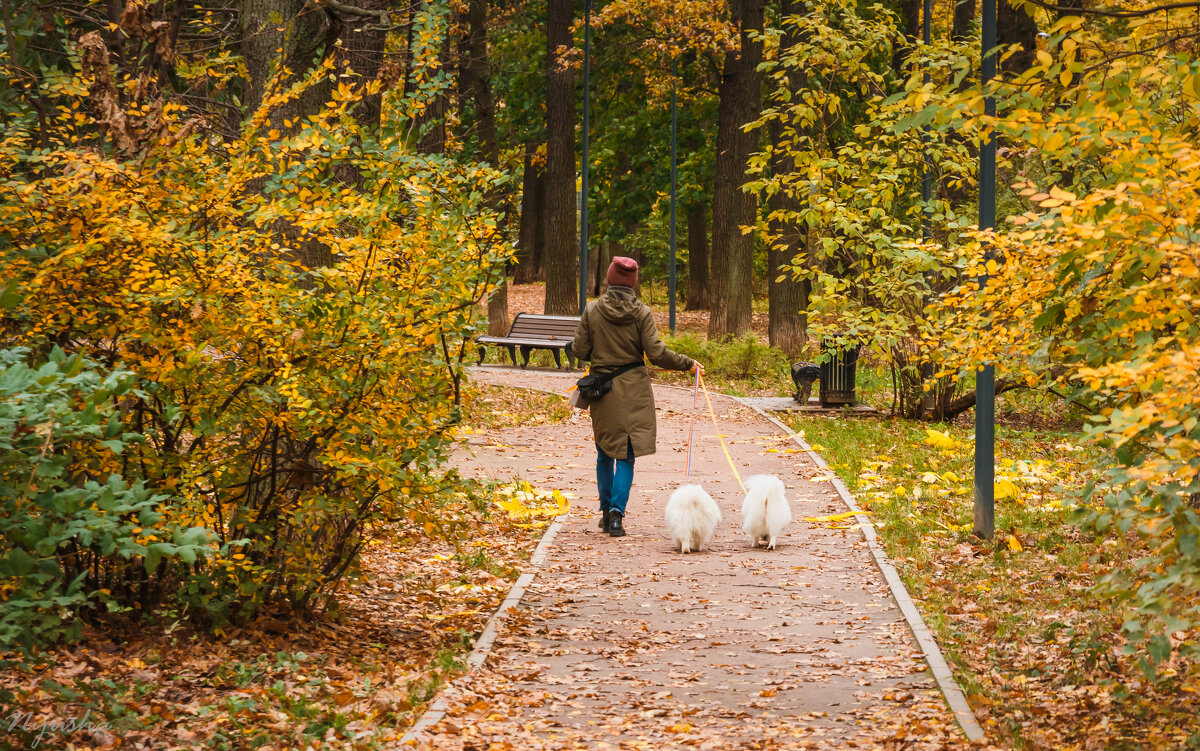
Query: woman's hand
x=697, y=367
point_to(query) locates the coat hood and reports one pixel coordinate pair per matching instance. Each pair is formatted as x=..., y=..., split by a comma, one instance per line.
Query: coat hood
x=619, y=305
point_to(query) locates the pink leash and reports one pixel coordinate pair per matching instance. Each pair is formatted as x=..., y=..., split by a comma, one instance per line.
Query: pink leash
x=691, y=422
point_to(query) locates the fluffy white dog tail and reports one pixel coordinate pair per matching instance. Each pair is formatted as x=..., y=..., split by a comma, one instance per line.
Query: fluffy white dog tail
x=765, y=511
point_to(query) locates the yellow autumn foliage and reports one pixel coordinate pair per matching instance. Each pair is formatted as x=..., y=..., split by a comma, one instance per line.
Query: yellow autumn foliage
x=295, y=305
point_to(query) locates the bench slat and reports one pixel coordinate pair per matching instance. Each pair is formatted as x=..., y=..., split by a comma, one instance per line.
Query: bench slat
x=543, y=343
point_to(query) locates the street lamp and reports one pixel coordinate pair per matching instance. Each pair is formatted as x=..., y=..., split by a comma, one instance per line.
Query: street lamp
x=985, y=378
x=927, y=169
x=583, y=186
x=674, y=191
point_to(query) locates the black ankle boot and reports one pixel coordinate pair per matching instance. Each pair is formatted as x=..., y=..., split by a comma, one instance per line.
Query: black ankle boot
x=615, y=528
x=604, y=522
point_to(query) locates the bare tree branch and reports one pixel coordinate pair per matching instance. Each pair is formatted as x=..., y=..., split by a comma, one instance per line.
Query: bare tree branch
x=1114, y=12
x=341, y=7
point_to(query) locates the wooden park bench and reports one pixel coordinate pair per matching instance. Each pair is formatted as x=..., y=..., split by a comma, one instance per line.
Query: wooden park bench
x=530, y=331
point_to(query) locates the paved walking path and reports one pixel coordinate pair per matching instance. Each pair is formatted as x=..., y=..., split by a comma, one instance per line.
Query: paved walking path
x=624, y=643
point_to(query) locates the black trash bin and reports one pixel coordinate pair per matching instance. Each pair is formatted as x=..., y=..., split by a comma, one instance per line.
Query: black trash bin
x=837, y=376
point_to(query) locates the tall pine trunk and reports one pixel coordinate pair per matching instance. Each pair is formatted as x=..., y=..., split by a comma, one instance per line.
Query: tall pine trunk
x=732, y=269
x=561, y=252
x=697, y=244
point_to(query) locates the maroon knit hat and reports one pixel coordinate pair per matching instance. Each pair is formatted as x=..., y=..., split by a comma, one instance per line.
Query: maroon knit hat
x=622, y=272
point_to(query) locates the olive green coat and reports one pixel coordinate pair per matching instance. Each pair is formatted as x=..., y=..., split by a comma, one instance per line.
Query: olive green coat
x=615, y=330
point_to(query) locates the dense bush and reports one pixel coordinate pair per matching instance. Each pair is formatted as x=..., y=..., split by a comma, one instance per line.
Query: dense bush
x=1093, y=285
x=292, y=304
x=63, y=509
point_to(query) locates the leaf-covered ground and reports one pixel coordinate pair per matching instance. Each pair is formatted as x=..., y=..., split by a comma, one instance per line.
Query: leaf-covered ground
x=1039, y=654
x=624, y=643
x=354, y=679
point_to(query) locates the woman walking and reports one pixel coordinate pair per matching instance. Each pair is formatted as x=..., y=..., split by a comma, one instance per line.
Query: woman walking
x=615, y=332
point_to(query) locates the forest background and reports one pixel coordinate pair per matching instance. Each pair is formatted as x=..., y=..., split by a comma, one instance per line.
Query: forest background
x=245, y=247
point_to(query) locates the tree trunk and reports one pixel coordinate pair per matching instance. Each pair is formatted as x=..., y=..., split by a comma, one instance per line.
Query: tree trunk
x=275, y=33
x=431, y=123
x=787, y=297
x=361, y=52
x=531, y=217
x=697, y=263
x=562, y=255
x=540, y=224
x=1016, y=26
x=732, y=251
x=292, y=35
x=964, y=21
x=910, y=11
x=604, y=255
x=475, y=77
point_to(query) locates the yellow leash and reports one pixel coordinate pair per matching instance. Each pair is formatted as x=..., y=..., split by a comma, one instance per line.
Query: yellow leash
x=720, y=437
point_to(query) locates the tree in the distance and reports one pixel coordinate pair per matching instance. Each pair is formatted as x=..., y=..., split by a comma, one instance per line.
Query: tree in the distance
x=732, y=267
x=561, y=253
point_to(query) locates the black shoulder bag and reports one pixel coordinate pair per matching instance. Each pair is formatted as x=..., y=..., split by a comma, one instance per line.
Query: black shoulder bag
x=593, y=386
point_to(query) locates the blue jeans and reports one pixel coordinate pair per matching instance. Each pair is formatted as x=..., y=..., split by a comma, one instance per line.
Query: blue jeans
x=614, y=481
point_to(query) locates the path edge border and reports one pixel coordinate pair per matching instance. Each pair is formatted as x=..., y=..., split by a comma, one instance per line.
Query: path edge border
x=487, y=637
x=956, y=700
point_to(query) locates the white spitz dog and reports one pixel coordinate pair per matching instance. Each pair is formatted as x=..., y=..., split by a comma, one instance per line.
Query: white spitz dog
x=692, y=516
x=765, y=512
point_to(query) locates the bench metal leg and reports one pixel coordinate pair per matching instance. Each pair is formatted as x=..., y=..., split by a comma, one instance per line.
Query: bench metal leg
x=557, y=360
x=482, y=352
x=524, y=357
x=512, y=354
x=570, y=357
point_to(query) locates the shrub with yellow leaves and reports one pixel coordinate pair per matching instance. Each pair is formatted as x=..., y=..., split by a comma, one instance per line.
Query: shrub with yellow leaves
x=288, y=404
x=1095, y=285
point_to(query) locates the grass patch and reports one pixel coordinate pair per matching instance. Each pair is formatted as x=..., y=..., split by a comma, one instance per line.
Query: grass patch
x=740, y=367
x=1039, y=654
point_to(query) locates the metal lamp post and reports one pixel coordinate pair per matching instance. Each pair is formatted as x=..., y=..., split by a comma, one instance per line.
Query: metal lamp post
x=674, y=193
x=927, y=169
x=985, y=378
x=583, y=185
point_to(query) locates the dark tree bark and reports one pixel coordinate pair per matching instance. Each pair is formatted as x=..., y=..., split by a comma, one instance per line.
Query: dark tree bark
x=540, y=224
x=910, y=11
x=732, y=251
x=267, y=45
x=562, y=256
x=697, y=243
x=310, y=33
x=787, y=298
x=531, y=216
x=431, y=123
x=1016, y=26
x=289, y=36
x=362, y=52
x=1069, y=8
x=962, y=29
x=596, y=277
x=476, y=77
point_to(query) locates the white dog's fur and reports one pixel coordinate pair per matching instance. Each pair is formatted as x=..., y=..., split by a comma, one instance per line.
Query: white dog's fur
x=765, y=512
x=692, y=516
